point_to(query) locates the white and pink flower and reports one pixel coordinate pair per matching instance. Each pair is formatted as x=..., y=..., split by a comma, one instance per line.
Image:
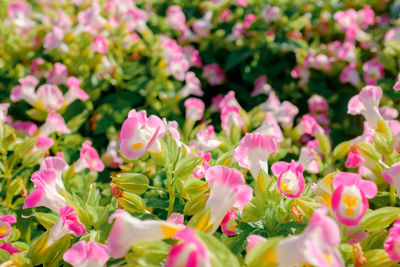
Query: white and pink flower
x=373, y=71
x=5, y=225
x=392, y=176
x=270, y=127
x=206, y=140
x=214, y=74
x=253, y=152
x=100, y=44
x=54, y=123
x=139, y=134
x=261, y=86
x=230, y=117
x=290, y=178
x=350, y=198
x=26, y=90
x=228, y=223
x=89, y=158
x=127, y=231
x=58, y=74
x=194, y=109
x=350, y=75
x=50, y=96
x=366, y=103
x=74, y=91
x=392, y=242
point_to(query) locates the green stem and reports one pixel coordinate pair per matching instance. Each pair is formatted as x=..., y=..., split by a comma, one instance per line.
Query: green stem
x=392, y=196
x=351, y=235
x=171, y=202
x=344, y=232
x=171, y=190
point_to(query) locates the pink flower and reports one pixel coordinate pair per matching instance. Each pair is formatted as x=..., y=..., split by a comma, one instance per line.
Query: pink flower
x=397, y=84
x=349, y=200
x=242, y=3
x=227, y=190
x=36, y=67
x=206, y=140
x=43, y=142
x=354, y=159
x=253, y=152
x=192, y=54
x=308, y=159
x=271, y=13
x=190, y=251
x=228, y=224
x=199, y=172
x=9, y=248
x=54, y=40
x=127, y=231
x=100, y=44
x=111, y=158
x=392, y=242
x=67, y=223
x=178, y=65
x=51, y=96
x=214, y=74
x=366, y=103
x=54, y=123
x=225, y=15
x=201, y=27
x=25, y=91
x=176, y=218
x=319, y=109
x=89, y=158
x=5, y=225
x=350, y=75
x=90, y=20
x=194, y=109
x=373, y=71
x=19, y=13
x=253, y=240
x=88, y=254
x=283, y=112
x=230, y=117
x=316, y=245
x=26, y=127
x=74, y=92
x=228, y=100
x=270, y=127
x=58, y=74
x=47, y=192
x=261, y=86
x=366, y=17
x=3, y=112
x=392, y=176
x=192, y=86
x=136, y=19
x=309, y=125
x=290, y=178
x=139, y=134
x=176, y=18
x=388, y=113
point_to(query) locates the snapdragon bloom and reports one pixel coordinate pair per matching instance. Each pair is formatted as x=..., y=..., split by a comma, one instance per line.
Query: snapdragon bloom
x=199, y=172
x=228, y=223
x=350, y=198
x=350, y=75
x=58, y=74
x=201, y=27
x=89, y=158
x=290, y=178
x=127, y=231
x=5, y=225
x=261, y=86
x=206, y=140
x=373, y=71
x=230, y=117
x=253, y=152
x=270, y=127
x=54, y=123
x=87, y=254
x=67, y=223
x=214, y=74
x=176, y=18
x=100, y=44
x=366, y=103
x=139, y=133
x=54, y=40
x=283, y=112
x=396, y=86
x=192, y=86
x=9, y=248
x=47, y=192
x=74, y=91
x=110, y=157
x=392, y=176
x=26, y=127
x=316, y=245
x=194, y=109
x=50, y=96
x=253, y=240
x=4, y=111
x=190, y=251
x=309, y=159
x=26, y=90
x=227, y=190
x=392, y=242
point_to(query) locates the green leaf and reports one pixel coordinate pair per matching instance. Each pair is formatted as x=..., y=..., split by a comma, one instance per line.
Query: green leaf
x=136, y=183
x=236, y=57
x=47, y=220
x=186, y=166
x=76, y=122
x=220, y=255
x=378, y=220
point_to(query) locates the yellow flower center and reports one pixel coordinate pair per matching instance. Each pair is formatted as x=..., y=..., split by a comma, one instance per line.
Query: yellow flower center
x=350, y=203
x=137, y=146
x=3, y=230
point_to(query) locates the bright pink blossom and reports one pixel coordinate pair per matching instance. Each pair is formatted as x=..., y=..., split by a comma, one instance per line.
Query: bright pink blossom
x=253, y=240
x=283, y=112
x=26, y=90
x=290, y=178
x=261, y=86
x=176, y=218
x=206, y=140
x=54, y=123
x=350, y=75
x=176, y=18
x=26, y=127
x=199, y=172
x=89, y=158
x=189, y=251
x=5, y=225
x=309, y=160
x=192, y=86
x=214, y=74
x=50, y=96
x=270, y=127
x=9, y=248
x=392, y=176
x=228, y=223
x=373, y=71
x=392, y=242
x=88, y=254
x=100, y=44
x=350, y=198
x=230, y=117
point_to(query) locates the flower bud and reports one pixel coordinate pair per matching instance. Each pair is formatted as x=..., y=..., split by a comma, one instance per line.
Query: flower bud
x=135, y=183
